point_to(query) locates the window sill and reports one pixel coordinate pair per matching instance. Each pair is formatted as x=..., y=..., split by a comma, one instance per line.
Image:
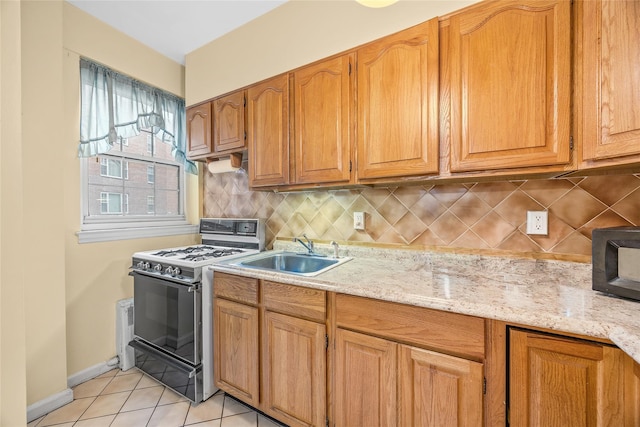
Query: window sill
x=108, y=235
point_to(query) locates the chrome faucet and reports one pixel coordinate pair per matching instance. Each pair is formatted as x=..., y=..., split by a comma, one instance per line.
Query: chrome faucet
x=308, y=245
x=336, y=249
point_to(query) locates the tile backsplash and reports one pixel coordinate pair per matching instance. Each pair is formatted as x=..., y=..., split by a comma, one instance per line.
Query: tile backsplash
x=487, y=215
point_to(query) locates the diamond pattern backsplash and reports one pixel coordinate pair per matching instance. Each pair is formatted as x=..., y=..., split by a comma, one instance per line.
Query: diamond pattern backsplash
x=489, y=215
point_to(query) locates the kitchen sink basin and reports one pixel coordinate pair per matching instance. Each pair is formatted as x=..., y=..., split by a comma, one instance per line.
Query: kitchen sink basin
x=291, y=262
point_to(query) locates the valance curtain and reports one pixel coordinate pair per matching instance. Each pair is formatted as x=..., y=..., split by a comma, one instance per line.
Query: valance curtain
x=114, y=105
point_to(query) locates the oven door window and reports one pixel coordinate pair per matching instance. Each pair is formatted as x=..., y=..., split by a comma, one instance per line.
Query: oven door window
x=167, y=315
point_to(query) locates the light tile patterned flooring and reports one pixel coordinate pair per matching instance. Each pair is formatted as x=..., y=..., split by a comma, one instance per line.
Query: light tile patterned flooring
x=132, y=399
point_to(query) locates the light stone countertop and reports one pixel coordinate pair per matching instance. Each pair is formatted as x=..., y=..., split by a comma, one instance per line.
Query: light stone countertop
x=549, y=294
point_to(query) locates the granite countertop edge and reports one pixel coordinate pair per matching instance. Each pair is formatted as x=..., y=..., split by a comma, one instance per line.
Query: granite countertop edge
x=554, y=295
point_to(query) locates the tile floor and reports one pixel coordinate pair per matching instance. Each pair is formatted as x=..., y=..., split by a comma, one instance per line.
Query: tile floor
x=132, y=399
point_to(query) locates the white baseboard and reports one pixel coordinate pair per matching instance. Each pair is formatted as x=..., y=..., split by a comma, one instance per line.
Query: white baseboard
x=91, y=372
x=58, y=400
x=49, y=404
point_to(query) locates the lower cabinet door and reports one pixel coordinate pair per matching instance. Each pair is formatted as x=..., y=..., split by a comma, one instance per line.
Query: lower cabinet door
x=365, y=380
x=294, y=370
x=235, y=350
x=631, y=392
x=438, y=390
x=564, y=382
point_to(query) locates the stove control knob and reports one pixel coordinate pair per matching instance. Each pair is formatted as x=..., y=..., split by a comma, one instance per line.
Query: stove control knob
x=157, y=268
x=140, y=265
x=168, y=270
x=176, y=271
x=147, y=266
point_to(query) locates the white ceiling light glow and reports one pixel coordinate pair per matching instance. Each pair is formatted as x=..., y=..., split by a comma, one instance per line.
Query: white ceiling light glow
x=376, y=3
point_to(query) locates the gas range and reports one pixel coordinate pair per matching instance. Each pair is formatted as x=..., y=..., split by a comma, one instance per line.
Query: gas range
x=173, y=304
x=222, y=239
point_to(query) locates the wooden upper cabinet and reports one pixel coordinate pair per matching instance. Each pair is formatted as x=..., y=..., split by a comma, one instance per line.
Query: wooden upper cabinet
x=564, y=382
x=611, y=80
x=199, y=142
x=322, y=102
x=510, y=76
x=229, y=123
x=268, y=132
x=397, y=104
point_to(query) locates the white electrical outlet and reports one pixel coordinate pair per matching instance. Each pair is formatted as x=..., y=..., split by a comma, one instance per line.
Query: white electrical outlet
x=537, y=222
x=358, y=220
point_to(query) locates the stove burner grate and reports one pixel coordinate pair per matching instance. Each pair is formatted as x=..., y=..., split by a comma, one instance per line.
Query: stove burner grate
x=189, y=250
x=216, y=253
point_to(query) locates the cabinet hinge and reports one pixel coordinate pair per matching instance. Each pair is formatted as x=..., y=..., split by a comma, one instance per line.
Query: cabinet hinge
x=326, y=342
x=484, y=385
x=349, y=68
x=326, y=423
x=571, y=142
x=350, y=165
x=245, y=101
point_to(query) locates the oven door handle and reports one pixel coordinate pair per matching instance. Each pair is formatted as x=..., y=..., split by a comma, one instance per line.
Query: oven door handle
x=168, y=281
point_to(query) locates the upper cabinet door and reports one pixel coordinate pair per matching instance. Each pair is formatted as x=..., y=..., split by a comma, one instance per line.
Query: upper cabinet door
x=228, y=123
x=611, y=72
x=323, y=99
x=398, y=104
x=199, y=130
x=510, y=75
x=268, y=132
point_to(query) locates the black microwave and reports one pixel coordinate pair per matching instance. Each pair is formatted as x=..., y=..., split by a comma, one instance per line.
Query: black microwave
x=616, y=261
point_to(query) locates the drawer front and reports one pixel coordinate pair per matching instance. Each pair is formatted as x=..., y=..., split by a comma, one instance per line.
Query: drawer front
x=451, y=333
x=295, y=300
x=235, y=288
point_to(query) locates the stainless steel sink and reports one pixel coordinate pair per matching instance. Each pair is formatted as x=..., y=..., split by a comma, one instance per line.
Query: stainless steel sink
x=291, y=262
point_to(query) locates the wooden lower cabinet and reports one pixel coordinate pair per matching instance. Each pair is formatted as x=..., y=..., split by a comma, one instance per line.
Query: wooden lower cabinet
x=365, y=380
x=390, y=364
x=631, y=392
x=270, y=347
x=383, y=383
x=235, y=334
x=294, y=370
x=564, y=382
x=439, y=390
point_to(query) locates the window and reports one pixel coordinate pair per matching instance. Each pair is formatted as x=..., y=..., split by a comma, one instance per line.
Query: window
x=133, y=164
x=114, y=168
x=123, y=181
x=114, y=203
x=149, y=144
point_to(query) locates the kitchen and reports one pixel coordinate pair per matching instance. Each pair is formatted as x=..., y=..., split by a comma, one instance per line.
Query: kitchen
x=65, y=311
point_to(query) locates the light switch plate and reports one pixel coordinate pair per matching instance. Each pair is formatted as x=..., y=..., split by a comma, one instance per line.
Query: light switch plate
x=537, y=222
x=358, y=220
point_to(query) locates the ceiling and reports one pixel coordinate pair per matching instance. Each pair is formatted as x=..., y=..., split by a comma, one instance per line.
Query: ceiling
x=176, y=27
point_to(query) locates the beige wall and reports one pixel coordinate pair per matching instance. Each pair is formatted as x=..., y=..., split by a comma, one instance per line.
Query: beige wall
x=43, y=198
x=58, y=313
x=295, y=34
x=96, y=273
x=12, y=265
